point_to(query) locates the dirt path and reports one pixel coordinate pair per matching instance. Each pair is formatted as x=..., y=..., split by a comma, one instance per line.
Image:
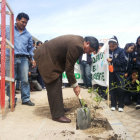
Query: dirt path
x=35, y=123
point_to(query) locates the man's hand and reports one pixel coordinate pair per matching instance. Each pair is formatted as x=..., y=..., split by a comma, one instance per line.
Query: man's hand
x=33, y=63
x=29, y=73
x=76, y=90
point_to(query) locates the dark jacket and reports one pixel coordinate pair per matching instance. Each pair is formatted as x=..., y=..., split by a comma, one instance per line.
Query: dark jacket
x=33, y=71
x=129, y=62
x=130, y=85
x=58, y=55
x=89, y=60
x=137, y=55
x=118, y=59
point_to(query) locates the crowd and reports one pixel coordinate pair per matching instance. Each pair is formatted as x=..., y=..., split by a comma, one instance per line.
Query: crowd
x=124, y=71
x=61, y=56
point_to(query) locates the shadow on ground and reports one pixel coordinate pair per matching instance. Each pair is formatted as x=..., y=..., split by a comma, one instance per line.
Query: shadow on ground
x=42, y=111
x=131, y=111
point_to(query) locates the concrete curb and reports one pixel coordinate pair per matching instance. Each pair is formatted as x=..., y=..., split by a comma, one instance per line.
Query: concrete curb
x=116, y=125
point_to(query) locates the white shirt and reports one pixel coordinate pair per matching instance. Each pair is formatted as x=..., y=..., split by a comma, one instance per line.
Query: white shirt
x=84, y=57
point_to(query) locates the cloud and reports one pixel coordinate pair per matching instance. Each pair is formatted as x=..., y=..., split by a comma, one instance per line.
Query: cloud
x=98, y=18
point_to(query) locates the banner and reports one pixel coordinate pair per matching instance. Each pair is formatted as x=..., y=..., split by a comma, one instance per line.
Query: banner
x=99, y=67
x=77, y=73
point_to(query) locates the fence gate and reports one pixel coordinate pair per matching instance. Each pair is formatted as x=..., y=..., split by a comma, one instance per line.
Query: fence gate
x=7, y=55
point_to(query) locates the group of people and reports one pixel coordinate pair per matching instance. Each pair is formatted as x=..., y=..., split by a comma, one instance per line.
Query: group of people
x=35, y=79
x=124, y=74
x=60, y=54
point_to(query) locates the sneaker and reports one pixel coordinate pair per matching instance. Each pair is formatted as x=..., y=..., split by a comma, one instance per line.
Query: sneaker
x=137, y=106
x=120, y=109
x=113, y=108
x=63, y=86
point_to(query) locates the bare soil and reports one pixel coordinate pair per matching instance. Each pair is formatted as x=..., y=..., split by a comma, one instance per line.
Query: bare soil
x=35, y=123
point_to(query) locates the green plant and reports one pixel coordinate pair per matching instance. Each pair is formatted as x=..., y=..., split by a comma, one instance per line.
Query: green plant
x=83, y=104
x=97, y=98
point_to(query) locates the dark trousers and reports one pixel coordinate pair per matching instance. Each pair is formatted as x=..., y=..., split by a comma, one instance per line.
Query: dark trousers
x=55, y=98
x=117, y=94
x=132, y=96
x=40, y=80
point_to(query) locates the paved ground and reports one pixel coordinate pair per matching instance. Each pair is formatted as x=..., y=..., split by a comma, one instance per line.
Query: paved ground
x=34, y=123
x=130, y=118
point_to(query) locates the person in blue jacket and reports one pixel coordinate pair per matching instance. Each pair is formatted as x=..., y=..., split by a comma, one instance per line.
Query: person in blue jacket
x=116, y=80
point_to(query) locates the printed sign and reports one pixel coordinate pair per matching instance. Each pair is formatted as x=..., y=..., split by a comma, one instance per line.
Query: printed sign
x=99, y=67
x=77, y=73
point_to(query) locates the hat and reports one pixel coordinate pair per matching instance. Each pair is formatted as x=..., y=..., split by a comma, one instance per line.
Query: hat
x=113, y=39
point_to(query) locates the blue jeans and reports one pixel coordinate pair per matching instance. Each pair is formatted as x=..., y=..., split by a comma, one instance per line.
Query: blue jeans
x=86, y=73
x=21, y=72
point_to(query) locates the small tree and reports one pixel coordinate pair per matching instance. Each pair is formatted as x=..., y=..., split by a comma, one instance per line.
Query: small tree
x=97, y=98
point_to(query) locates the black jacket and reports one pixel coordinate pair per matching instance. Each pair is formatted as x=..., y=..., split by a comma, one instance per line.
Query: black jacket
x=129, y=60
x=118, y=59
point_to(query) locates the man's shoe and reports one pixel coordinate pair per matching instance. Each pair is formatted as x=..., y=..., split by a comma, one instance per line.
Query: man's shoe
x=137, y=106
x=28, y=103
x=67, y=109
x=63, y=119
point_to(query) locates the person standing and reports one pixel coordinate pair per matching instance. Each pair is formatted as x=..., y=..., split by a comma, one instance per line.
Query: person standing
x=116, y=73
x=85, y=66
x=39, y=78
x=23, y=48
x=56, y=56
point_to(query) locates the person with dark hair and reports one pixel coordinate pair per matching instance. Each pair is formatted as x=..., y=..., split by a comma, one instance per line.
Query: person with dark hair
x=128, y=50
x=56, y=56
x=22, y=15
x=39, y=78
x=118, y=62
x=137, y=55
x=38, y=44
x=46, y=41
x=34, y=85
x=101, y=45
x=23, y=48
x=132, y=94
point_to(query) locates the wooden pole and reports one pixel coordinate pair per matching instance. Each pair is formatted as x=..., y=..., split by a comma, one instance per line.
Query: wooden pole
x=12, y=58
x=108, y=78
x=3, y=44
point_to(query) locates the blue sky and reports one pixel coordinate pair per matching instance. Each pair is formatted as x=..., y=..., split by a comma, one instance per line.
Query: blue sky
x=99, y=18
